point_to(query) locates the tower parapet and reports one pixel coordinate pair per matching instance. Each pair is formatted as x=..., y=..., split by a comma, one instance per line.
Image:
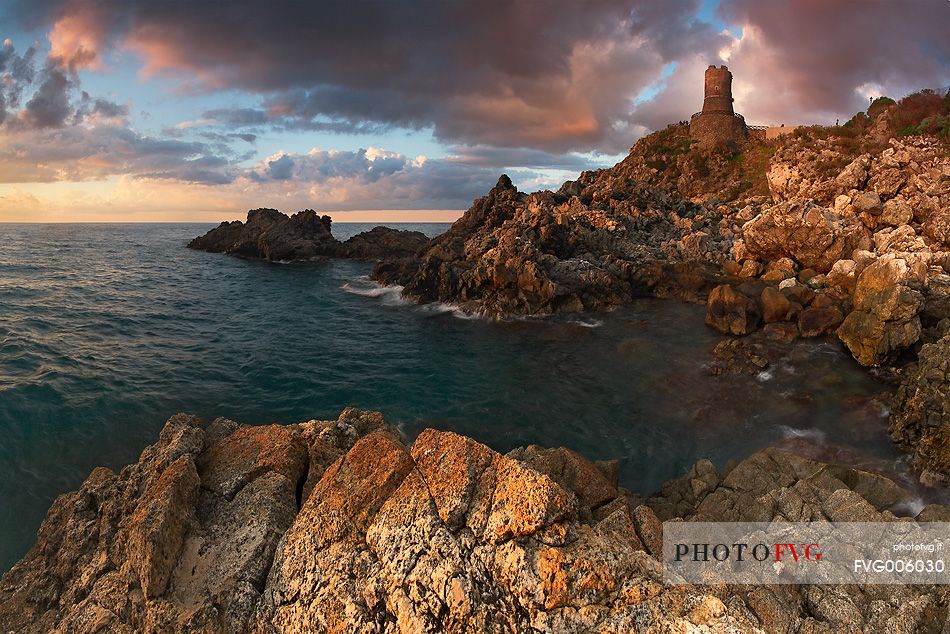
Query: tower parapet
x=717, y=124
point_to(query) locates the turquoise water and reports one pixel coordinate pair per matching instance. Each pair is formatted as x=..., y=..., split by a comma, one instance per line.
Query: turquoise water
x=107, y=330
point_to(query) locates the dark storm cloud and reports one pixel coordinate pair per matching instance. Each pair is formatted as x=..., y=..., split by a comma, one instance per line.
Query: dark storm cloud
x=282, y=116
x=549, y=75
x=50, y=106
x=16, y=73
x=814, y=56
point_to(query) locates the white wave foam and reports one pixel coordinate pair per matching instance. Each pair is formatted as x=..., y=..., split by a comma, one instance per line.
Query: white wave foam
x=440, y=308
x=389, y=295
x=586, y=323
x=910, y=507
x=815, y=435
x=764, y=375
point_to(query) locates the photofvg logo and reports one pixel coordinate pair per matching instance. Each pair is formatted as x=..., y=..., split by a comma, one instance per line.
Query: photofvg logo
x=805, y=552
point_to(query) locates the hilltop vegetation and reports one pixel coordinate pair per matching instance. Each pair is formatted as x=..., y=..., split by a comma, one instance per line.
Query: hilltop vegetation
x=670, y=160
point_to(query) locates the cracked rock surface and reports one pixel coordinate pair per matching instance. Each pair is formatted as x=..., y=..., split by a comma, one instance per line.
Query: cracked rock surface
x=339, y=526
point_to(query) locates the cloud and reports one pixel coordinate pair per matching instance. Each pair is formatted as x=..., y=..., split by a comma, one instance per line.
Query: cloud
x=16, y=73
x=813, y=60
x=530, y=87
x=280, y=168
x=370, y=178
x=50, y=106
x=79, y=153
x=556, y=76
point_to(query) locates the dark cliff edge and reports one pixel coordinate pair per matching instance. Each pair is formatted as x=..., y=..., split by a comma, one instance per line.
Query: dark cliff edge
x=271, y=235
x=340, y=525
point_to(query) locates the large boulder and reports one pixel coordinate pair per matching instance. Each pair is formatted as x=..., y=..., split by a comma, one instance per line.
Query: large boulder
x=731, y=312
x=885, y=317
x=815, y=237
x=181, y=541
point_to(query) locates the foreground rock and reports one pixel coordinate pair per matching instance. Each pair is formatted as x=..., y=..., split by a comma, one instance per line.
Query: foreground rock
x=920, y=422
x=271, y=235
x=339, y=526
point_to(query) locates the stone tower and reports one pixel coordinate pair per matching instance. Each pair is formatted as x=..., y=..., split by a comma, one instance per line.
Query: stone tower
x=717, y=124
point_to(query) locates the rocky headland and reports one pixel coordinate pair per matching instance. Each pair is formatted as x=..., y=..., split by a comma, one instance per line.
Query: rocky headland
x=837, y=232
x=341, y=526
x=271, y=235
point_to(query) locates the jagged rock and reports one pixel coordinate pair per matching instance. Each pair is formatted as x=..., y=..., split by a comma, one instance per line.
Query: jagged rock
x=937, y=226
x=181, y=541
x=843, y=276
x=382, y=243
x=731, y=312
x=445, y=536
x=539, y=254
x=896, y=212
x=271, y=235
x=868, y=202
x=920, y=420
x=885, y=316
x=739, y=356
x=815, y=237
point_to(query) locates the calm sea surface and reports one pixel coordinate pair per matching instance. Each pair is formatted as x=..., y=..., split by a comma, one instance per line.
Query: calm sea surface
x=107, y=330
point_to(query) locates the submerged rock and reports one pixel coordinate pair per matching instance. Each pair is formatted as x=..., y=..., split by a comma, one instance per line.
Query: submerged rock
x=339, y=526
x=271, y=235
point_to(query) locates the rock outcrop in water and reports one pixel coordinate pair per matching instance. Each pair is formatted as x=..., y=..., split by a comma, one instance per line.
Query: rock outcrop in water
x=332, y=526
x=271, y=235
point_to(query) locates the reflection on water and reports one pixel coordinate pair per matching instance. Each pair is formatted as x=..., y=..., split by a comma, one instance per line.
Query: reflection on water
x=107, y=330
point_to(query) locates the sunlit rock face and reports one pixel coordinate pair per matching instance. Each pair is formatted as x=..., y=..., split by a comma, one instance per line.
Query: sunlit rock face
x=340, y=526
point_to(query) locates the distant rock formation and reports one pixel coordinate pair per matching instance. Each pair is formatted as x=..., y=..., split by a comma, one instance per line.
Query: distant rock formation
x=338, y=526
x=271, y=235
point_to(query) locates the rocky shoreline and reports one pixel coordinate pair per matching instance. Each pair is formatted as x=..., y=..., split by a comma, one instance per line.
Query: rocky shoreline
x=341, y=526
x=851, y=242
x=831, y=232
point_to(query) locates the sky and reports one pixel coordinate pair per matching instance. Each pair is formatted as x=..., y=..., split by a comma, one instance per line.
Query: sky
x=376, y=110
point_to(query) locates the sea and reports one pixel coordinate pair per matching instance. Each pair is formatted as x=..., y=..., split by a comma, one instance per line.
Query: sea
x=106, y=330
